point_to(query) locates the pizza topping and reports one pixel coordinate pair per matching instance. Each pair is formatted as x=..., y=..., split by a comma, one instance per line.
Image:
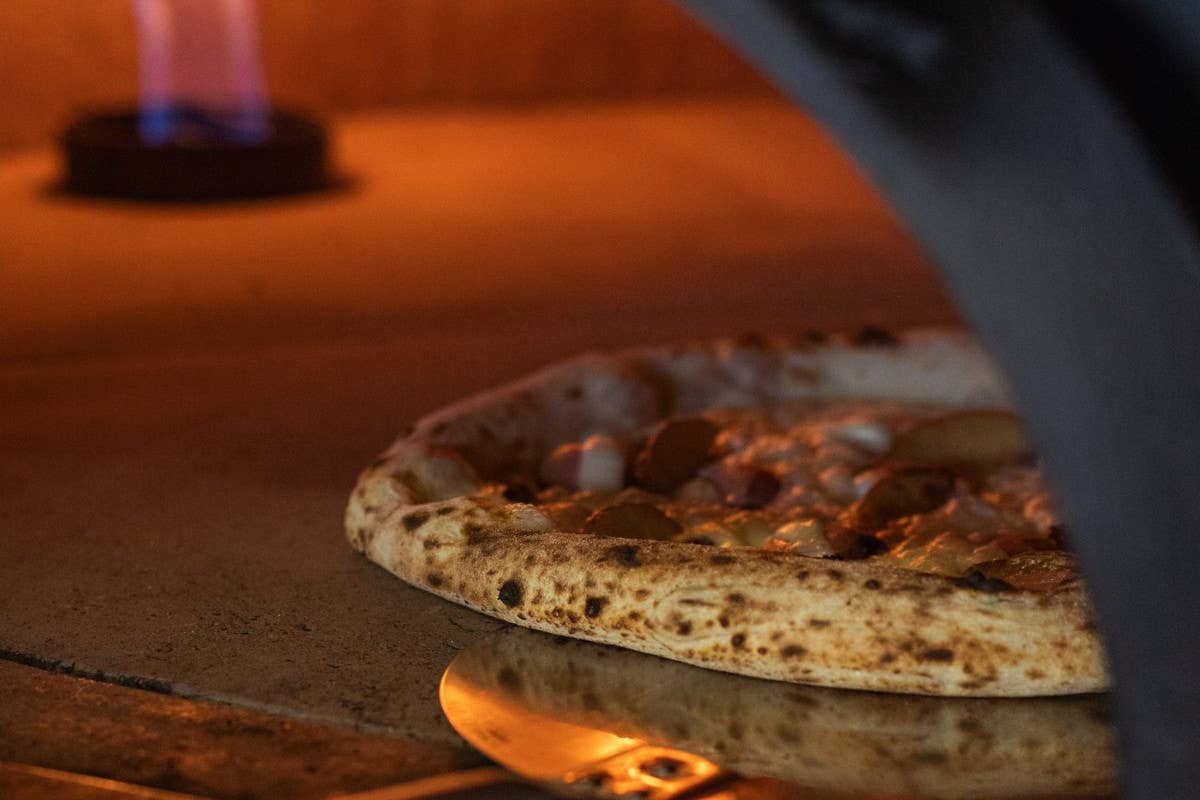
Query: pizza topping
x=978, y=438
x=901, y=492
x=632, y=521
x=942, y=553
x=838, y=482
x=596, y=464
x=519, y=493
x=874, y=437
x=741, y=484
x=674, y=452
x=698, y=492
x=949, y=493
x=567, y=516
x=1041, y=571
x=804, y=537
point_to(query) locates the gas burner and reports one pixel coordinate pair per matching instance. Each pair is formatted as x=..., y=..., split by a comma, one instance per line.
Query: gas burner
x=106, y=156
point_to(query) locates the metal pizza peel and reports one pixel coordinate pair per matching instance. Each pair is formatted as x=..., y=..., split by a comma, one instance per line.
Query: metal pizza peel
x=582, y=761
x=589, y=720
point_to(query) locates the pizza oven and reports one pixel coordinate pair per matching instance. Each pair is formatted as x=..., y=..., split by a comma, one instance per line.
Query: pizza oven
x=247, y=241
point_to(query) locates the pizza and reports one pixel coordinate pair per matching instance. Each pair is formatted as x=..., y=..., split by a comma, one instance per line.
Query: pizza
x=858, y=512
x=847, y=743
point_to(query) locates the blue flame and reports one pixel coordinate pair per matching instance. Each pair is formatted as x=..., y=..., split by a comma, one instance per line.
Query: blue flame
x=199, y=73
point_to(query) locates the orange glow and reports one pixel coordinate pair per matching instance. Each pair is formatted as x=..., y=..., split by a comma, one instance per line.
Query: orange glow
x=718, y=208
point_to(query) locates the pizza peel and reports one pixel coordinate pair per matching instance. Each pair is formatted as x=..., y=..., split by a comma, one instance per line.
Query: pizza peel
x=578, y=760
x=589, y=720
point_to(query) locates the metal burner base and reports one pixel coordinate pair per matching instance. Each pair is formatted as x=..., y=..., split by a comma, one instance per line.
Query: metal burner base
x=105, y=157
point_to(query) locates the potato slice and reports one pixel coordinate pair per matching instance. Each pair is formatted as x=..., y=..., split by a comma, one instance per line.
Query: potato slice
x=1033, y=571
x=673, y=453
x=976, y=438
x=804, y=537
x=743, y=485
x=900, y=492
x=632, y=521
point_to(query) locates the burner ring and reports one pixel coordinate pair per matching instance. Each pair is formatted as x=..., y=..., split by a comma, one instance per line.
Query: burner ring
x=106, y=157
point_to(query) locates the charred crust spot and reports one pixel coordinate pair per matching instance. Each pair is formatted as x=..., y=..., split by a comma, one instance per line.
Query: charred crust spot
x=433, y=579
x=530, y=560
x=430, y=544
x=624, y=554
x=684, y=628
x=762, y=651
x=887, y=658
x=980, y=582
x=738, y=641
x=510, y=592
x=414, y=520
x=641, y=594
x=1034, y=674
x=938, y=654
x=736, y=599
x=818, y=623
x=474, y=532
x=519, y=493
x=875, y=336
x=872, y=584
x=444, y=510
x=835, y=574
x=723, y=621
x=593, y=606
x=721, y=558
x=792, y=651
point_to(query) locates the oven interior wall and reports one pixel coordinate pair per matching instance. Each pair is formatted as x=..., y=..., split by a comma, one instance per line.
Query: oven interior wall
x=58, y=56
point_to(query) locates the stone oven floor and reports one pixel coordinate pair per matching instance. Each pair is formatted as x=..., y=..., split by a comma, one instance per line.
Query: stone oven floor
x=188, y=394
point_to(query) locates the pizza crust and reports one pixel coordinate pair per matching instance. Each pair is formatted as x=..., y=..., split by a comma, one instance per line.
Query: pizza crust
x=849, y=624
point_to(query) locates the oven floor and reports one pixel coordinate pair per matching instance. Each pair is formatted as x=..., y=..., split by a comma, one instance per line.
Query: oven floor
x=188, y=394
